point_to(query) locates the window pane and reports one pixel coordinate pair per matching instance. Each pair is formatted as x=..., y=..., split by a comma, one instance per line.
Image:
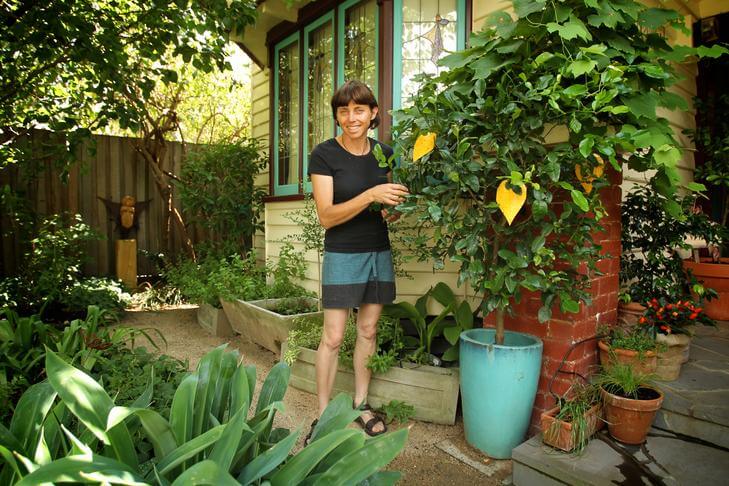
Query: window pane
x=360, y=38
x=428, y=33
x=320, y=85
x=288, y=114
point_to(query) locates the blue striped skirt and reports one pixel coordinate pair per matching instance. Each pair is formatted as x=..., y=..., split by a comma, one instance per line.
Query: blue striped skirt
x=351, y=279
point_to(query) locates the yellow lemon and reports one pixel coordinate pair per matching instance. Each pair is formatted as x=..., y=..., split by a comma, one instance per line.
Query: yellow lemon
x=509, y=201
x=424, y=144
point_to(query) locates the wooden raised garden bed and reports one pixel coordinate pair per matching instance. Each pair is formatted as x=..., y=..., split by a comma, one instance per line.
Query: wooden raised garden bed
x=258, y=324
x=431, y=390
x=213, y=320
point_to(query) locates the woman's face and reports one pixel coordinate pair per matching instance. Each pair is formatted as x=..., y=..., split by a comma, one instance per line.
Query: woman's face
x=355, y=119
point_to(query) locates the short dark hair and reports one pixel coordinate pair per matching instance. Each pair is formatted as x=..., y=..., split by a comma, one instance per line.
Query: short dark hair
x=358, y=92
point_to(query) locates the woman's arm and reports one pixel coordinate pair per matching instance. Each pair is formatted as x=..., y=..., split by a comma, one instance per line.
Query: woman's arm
x=331, y=214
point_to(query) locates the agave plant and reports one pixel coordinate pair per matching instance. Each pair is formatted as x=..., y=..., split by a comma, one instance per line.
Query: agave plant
x=209, y=436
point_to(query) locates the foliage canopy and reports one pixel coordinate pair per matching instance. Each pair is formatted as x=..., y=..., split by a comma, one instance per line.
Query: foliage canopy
x=564, y=89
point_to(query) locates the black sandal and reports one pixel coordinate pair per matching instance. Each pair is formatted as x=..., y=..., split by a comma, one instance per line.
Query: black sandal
x=307, y=439
x=369, y=426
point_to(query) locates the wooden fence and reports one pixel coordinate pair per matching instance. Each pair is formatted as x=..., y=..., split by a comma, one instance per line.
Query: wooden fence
x=109, y=168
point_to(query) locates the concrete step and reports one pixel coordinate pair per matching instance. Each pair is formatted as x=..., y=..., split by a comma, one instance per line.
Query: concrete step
x=697, y=404
x=664, y=459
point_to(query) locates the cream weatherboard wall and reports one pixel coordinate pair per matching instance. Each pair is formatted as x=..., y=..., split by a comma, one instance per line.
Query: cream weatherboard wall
x=279, y=227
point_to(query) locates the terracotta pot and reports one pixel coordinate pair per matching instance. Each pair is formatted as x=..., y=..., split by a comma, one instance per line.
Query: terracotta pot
x=628, y=314
x=715, y=276
x=629, y=420
x=644, y=363
x=670, y=360
x=558, y=433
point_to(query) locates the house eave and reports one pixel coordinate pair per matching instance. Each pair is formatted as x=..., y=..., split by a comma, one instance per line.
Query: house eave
x=270, y=13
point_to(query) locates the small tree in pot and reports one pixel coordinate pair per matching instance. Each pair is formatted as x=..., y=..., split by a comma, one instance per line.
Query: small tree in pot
x=493, y=191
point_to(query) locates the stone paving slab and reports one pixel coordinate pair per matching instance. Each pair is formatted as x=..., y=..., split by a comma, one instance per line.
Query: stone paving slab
x=697, y=404
x=665, y=459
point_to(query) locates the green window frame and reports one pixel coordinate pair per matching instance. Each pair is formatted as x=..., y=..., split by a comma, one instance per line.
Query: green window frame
x=336, y=15
x=282, y=189
x=397, y=31
x=328, y=17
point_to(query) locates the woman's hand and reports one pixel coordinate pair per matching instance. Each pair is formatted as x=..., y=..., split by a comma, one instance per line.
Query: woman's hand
x=390, y=194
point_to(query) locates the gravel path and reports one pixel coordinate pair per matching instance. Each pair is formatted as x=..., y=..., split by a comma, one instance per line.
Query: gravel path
x=421, y=463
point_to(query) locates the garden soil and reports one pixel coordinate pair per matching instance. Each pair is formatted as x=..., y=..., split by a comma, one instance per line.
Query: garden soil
x=421, y=463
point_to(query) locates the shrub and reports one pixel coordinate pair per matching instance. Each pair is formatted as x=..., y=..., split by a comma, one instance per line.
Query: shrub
x=219, y=192
x=212, y=435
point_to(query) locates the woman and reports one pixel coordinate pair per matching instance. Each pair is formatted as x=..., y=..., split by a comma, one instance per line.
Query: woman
x=357, y=267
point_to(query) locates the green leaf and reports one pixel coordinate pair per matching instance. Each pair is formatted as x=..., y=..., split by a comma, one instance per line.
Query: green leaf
x=182, y=411
x=83, y=469
x=579, y=199
x=653, y=18
x=695, y=187
x=543, y=57
x=225, y=448
x=274, y=387
x=206, y=472
x=452, y=334
x=575, y=125
x=667, y=155
x=464, y=315
x=586, y=145
x=360, y=464
x=88, y=401
x=30, y=413
x=299, y=466
x=269, y=460
x=158, y=430
x=569, y=305
x=382, y=478
x=580, y=67
x=545, y=313
x=452, y=353
x=525, y=7
x=443, y=294
x=642, y=105
x=575, y=90
x=571, y=29
x=338, y=414
x=189, y=449
x=485, y=65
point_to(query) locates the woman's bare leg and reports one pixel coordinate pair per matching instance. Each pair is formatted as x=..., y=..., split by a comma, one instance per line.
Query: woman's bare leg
x=366, y=345
x=327, y=354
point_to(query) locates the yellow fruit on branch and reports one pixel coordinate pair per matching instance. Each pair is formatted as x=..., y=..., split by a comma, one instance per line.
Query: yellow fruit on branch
x=509, y=201
x=424, y=144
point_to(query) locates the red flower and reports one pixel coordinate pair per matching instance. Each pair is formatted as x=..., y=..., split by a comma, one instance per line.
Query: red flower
x=642, y=320
x=694, y=316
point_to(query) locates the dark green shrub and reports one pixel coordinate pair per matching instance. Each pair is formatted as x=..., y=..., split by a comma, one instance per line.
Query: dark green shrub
x=219, y=192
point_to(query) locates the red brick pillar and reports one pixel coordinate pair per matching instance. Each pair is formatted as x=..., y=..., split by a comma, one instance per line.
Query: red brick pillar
x=565, y=329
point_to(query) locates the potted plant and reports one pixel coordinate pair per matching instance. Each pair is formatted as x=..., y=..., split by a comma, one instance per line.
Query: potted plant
x=398, y=372
x=265, y=313
x=453, y=319
x=574, y=419
x=495, y=189
x=672, y=323
x=711, y=138
x=634, y=346
x=630, y=402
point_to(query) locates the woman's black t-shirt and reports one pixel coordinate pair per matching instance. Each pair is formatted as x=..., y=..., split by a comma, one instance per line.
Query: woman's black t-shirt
x=352, y=175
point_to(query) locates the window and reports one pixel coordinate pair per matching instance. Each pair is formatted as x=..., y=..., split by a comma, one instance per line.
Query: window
x=311, y=62
x=424, y=31
x=286, y=117
x=318, y=84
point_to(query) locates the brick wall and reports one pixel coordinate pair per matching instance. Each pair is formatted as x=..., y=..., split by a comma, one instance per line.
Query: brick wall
x=563, y=330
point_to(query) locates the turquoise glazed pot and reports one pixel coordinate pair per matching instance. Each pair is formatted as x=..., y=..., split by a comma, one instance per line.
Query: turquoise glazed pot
x=498, y=386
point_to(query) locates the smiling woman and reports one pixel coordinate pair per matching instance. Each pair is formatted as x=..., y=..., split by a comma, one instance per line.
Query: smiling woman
x=357, y=269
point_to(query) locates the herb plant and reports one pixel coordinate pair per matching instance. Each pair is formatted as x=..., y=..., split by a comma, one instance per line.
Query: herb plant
x=573, y=409
x=623, y=380
x=397, y=410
